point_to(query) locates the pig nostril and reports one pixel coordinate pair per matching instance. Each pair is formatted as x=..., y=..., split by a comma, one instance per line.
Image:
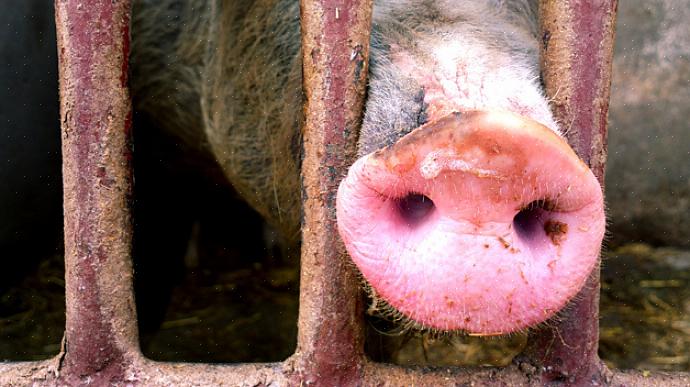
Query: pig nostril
x=414, y=208
x=528, y=222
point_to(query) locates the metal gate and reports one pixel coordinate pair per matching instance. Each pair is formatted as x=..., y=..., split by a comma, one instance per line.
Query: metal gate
x=101, y=344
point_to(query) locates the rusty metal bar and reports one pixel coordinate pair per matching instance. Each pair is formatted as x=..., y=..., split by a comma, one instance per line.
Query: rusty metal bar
x=576, y=51
x=335, y=49
x=93, y=50
x=576, y=54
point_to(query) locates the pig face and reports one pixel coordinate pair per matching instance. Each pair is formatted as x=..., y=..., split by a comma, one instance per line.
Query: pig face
x=466, y=209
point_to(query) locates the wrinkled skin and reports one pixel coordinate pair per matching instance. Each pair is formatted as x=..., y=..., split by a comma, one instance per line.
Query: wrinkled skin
x=466, y=210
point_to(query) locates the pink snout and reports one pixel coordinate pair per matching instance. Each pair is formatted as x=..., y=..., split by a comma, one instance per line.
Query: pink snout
x=485, y=222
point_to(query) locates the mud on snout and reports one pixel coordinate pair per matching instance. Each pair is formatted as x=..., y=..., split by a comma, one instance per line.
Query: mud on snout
x=482, y=221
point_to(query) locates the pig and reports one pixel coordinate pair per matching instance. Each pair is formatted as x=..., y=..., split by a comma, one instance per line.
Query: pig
x=465, y=210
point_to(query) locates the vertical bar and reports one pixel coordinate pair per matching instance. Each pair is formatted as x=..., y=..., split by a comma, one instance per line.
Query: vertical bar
x=576, y=50
x=576, y=55
x=335, y=49
x=93, y=46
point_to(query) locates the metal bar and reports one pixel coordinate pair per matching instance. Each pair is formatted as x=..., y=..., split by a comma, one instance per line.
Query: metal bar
x=576, y=51
x=93, y=49
x=148, y=373
x=335, y=49
x=513, y=375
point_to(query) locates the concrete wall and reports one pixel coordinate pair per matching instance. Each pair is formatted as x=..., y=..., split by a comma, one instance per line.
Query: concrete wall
x=648, y=172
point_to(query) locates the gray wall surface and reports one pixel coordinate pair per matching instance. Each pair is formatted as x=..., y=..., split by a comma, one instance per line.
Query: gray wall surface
x=648, y=171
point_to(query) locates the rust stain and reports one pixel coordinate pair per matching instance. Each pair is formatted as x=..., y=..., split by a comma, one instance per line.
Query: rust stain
x=335, y=46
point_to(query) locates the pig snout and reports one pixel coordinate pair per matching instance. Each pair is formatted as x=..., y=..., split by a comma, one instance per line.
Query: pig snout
x=481, y=221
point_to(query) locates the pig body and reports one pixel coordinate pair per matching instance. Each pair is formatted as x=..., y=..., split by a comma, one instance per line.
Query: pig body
x=225, y=78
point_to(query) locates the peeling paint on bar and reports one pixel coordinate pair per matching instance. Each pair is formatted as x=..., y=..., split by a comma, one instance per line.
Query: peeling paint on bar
x=335, y=47
x=93, y=48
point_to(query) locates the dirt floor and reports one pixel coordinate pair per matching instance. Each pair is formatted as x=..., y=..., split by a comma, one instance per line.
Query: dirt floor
x=249, y=314
x=645, y=308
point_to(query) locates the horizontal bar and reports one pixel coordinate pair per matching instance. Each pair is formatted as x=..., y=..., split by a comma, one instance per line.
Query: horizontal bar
x=150, y=373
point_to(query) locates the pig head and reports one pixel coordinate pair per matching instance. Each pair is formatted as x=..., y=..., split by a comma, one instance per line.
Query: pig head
x=466, y=210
